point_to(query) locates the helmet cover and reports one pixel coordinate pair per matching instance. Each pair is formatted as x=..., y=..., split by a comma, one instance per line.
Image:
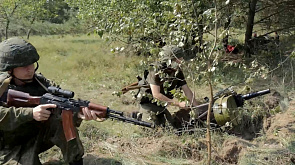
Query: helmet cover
x=16, y=52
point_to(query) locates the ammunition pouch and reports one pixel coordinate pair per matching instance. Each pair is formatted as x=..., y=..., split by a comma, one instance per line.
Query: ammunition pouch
x=143, y=90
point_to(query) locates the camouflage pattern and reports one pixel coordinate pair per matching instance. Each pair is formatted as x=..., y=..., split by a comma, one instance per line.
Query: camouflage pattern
x=165, y=70
x=22, y=138
x=16, y=52
x=155, y=114
x=151, y=111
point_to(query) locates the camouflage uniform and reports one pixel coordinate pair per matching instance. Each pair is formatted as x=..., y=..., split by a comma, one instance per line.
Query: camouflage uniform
x=150, y=110
x=158, y=113
x=21, y=137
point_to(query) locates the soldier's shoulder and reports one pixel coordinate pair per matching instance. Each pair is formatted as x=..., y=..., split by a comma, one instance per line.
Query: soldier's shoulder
x=3, y=76
x=44, y=80
x=40, y=75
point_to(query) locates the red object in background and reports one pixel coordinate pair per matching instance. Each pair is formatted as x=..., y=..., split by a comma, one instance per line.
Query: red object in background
x=230, y=49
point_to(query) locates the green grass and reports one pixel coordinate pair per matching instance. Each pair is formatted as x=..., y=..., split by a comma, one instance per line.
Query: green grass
x=85, y=65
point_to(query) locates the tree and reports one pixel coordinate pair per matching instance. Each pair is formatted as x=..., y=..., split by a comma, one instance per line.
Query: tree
x=249, y=27
x=276, y=16
x=271, y=16
x=32, y=10
x=7, y=11
x=57, y=11
x=147, y=23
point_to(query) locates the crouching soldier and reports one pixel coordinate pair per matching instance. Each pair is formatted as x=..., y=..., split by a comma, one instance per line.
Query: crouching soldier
x=165, y=77
x=27, y=132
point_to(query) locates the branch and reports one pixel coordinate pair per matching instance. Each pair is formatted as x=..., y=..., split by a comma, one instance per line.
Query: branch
x=277, y=30
x=13, y=10
x=261, y=20
x=263, y=8
x=4, y=12
x=211, y=89
x=281, y=64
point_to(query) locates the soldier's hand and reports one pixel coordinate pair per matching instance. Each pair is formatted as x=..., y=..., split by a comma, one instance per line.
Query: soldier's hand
x=40, y=113
x=88, y=114
x=182, y=104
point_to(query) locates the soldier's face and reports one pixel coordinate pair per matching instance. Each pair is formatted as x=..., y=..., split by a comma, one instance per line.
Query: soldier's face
x=25, y=72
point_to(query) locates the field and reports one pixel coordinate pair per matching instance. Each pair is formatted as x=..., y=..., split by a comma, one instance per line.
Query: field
x=86, y=65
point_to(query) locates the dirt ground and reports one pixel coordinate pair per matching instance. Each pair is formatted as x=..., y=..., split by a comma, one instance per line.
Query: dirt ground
x=231, y=150
x=276, y=128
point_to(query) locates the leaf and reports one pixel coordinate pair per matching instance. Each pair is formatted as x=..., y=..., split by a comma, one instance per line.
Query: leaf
x=99, y=32
x=207, y=12
x=173, y=91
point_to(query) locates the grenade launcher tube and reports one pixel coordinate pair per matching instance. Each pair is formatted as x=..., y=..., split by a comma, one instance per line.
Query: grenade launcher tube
x=255, y=94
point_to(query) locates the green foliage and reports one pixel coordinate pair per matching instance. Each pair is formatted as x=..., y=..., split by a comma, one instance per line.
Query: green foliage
x=97, y=73
x=8, y=7
x=145, y=22
x=178, y=95
x=32, y=10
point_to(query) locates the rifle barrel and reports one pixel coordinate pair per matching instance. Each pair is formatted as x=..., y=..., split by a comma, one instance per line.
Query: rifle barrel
x=109, y=111
x=130, y=120
x=255, y=94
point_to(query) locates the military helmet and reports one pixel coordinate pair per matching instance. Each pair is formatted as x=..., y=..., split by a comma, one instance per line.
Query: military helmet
x=16, y=52
x=170, y=52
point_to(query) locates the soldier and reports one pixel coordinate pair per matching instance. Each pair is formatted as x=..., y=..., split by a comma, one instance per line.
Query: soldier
x=166, y=72
x=27, y=132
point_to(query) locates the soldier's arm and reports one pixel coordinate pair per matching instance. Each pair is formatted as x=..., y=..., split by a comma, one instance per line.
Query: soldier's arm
x=11, y=118
x=189, y=94
x=46, y=82
x=158, y=95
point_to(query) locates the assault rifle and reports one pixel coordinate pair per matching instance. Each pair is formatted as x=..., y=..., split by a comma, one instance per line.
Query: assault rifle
x=63, y=99
x=135, y=85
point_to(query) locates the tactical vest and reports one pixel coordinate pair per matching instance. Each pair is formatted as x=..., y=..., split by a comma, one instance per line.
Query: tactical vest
x=143, y=90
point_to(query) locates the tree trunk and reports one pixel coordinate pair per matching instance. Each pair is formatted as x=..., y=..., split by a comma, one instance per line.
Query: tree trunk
x=28, y=33
x=30, y=30
x=226, y=27
x=200, y=35
x=249, y=28
x=1, y=35
x=6, y=29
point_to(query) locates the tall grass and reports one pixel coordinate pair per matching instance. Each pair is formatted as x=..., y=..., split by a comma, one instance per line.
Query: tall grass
x=85, y=65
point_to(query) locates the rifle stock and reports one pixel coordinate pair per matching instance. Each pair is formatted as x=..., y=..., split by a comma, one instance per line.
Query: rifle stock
x=132, y=87
x=21, y=99
x=127, y=88
x=68, y=106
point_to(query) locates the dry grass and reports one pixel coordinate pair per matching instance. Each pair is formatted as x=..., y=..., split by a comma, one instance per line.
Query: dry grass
x=85, y=65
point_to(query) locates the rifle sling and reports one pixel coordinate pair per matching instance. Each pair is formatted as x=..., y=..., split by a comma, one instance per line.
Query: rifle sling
x=42, y=85
x=4, y=85
x=6, y=82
